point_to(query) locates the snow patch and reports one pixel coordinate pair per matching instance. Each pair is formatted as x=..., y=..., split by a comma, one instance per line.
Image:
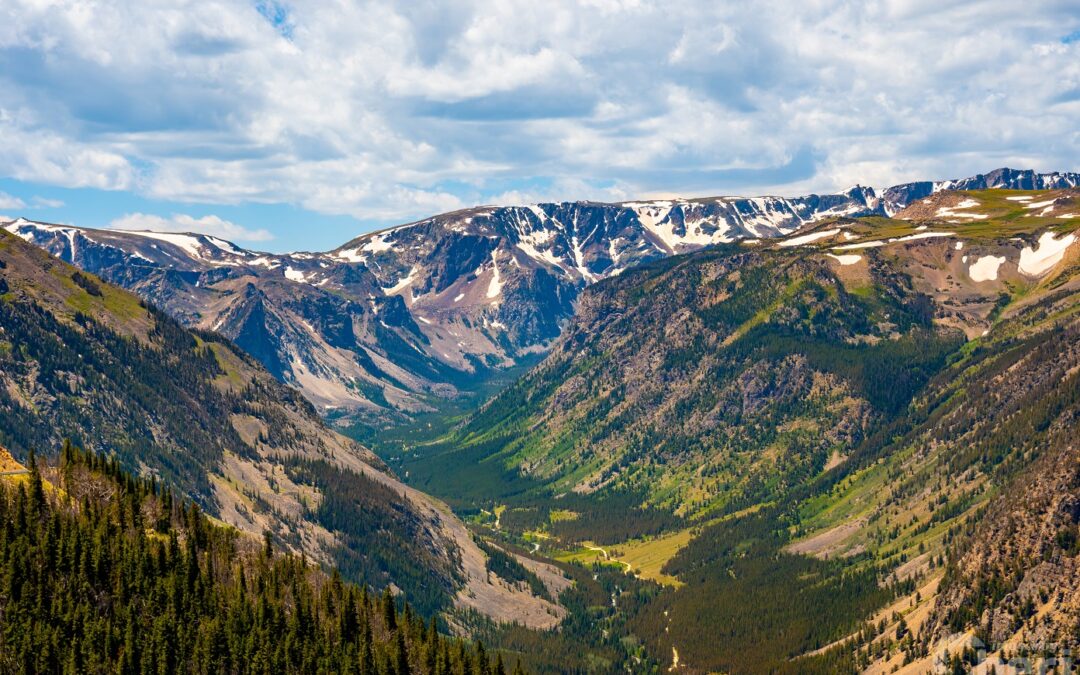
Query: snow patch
x=1039, y=205
x=495, y=287
x=186, y=242
x=377, y=244
x=861, y=244
x=351, y=255
x=808, y=238
x=1049, y=252
x=986, y=268
x=849, y=259
x=951, y=212
x=265, y=262
x=402, y=282
x=294, y=275
x=226, y=246
x=925, y=235
x=542, y=256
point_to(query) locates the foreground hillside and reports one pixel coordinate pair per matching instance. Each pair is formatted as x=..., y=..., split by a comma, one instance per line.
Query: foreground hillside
x=83, y=359
x=107, y=573
x=854, y=447
x=396, y=323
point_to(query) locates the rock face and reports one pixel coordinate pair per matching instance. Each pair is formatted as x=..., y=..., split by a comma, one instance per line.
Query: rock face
x=82, y=359
x=390, y=322
x=897, y=197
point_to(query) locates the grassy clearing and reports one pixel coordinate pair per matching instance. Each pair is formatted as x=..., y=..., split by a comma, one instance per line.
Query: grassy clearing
x=644, y=558
x=561, y=515
x=231, y=378
x=648, y=557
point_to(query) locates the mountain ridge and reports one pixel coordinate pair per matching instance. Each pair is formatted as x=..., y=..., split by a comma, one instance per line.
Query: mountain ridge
x=389, y=324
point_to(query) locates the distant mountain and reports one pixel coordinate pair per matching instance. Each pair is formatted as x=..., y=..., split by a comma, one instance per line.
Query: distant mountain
x=393, y=322
x=897, y=197
x=83, y=359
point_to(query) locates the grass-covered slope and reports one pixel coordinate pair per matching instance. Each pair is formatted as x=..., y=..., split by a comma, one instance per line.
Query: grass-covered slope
x=976, y=495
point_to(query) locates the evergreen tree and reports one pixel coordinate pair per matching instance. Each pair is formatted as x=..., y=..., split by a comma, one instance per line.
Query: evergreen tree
x=85, y=589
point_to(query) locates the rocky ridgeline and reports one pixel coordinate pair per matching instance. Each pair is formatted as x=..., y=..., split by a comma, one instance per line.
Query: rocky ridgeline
x=393, y=320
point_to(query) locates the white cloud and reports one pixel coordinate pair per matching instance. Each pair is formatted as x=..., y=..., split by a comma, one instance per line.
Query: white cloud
x=394, y=110
x=11, y=202
x=180, y=222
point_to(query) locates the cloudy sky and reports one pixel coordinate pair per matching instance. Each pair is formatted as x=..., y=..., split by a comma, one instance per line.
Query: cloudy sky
x=292, y=125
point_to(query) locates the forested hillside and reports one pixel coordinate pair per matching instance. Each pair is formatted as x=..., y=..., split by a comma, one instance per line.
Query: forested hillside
x=853, y=448
x=85, y=359
x=106, y=573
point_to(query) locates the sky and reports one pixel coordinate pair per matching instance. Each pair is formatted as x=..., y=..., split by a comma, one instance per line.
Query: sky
x=299, y=125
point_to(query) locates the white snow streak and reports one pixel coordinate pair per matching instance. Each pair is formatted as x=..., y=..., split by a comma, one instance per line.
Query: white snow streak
x=808, y=238
x=1050, y=251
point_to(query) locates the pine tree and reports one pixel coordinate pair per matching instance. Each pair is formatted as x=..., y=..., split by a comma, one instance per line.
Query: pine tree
x=389, y=610
x=37, y=487
x=401, y=655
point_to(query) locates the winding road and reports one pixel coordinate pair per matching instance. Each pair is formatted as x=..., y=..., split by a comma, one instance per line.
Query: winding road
x=629, y=567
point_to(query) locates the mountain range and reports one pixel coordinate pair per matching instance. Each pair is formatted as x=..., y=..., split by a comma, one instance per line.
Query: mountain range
x=86, y=361
x=396, y=322
x=852, y=447
x=842, y=428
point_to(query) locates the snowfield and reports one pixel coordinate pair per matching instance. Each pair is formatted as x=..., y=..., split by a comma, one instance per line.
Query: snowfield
x=861, y=244
x=925, y=235
x=1050, y=251
x=294, y=275
x=986, y=268
x=809, y=238
x=846, y=259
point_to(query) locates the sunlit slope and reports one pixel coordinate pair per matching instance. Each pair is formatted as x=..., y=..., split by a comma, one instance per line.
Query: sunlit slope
x=710, y=382
x=86, y=360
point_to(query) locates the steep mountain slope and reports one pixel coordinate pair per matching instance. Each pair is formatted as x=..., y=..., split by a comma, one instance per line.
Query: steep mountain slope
x=84, y=359
x=853, y=447
x=393, y=322
x=338, y=338
x=708, y=381
x=107, y=573
x=975, y=497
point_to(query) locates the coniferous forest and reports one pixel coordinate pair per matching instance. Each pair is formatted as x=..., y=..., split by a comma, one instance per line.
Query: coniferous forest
x=102, y=572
